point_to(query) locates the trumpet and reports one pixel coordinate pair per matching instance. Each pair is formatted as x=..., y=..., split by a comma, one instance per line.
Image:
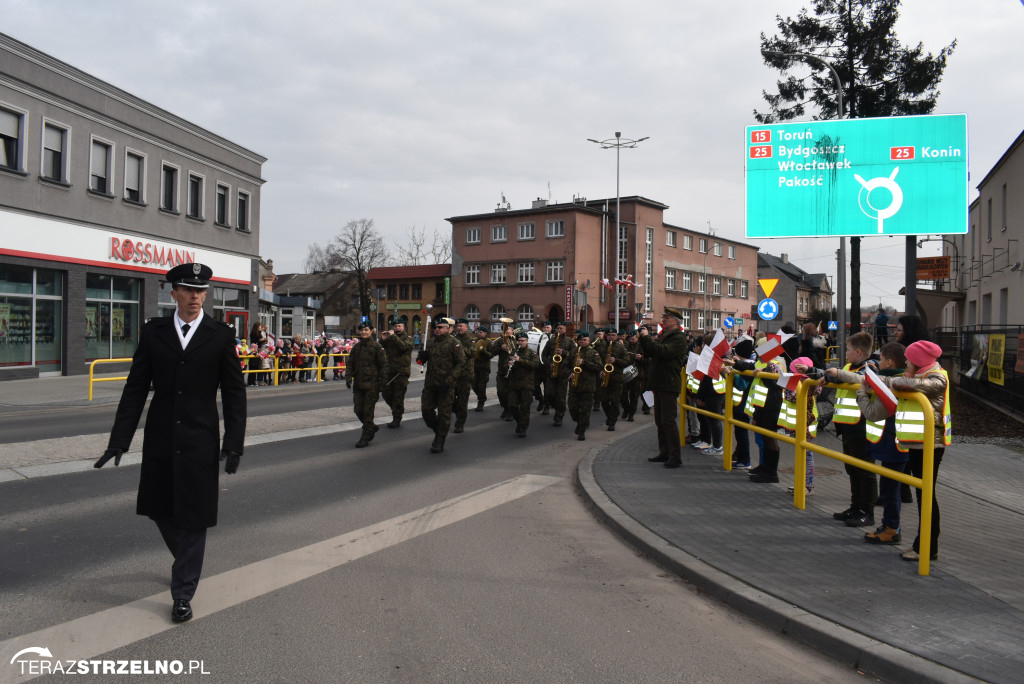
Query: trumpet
x=556, y=359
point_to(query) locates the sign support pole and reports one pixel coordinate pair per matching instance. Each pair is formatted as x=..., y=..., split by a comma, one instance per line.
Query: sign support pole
x=910, y=287
x=841, y=293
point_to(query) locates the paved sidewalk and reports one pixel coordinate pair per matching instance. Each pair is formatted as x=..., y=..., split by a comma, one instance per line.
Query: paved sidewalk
x=804, y=573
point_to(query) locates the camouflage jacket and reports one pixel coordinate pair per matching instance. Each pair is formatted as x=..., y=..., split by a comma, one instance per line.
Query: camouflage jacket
x=398, y=349
x=445, y=361
x=590, y=363
x=367, y=365
x=522, y=375
x=567, y=349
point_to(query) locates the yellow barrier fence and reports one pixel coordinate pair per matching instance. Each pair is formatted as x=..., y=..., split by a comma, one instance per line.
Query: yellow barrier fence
x=801, y=445
x=92, y=375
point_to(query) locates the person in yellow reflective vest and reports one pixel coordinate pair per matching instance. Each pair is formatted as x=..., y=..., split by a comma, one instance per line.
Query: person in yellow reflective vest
x=924, y=375
x=788, y=414
x=743, y=349
x=850, y=425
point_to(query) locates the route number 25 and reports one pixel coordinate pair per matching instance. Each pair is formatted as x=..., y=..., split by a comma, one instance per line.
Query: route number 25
x=901, y=153
x=760, y=151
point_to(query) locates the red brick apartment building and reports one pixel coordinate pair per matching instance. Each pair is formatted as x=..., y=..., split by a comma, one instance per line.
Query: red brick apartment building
x=548, y=261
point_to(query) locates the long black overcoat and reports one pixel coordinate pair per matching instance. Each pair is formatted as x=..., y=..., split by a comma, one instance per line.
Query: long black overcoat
x=181, y=446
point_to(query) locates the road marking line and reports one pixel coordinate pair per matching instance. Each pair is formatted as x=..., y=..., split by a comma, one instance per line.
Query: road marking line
x=92, y=635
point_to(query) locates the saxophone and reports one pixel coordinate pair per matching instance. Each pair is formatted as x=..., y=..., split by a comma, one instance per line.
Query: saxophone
x=577, y=368
x=609, y=368
x=556, y=360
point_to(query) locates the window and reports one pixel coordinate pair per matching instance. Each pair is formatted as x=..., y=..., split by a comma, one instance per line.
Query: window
x=716, y=320
x=743, y=289
x=498, y=274
x=472, y=236
x=700, y=320
x=732, y=251
x=497, y=311
x=195, y=196
x=403, y=291
x=472, y=313
x=670, y=279
x=12, y=139
x=242, y=218
x=99, y=166
x=670, y=238
x=687, y=281
x=525, y=312
x=32, y=301
x=55, y=140
x=730, y=288
x=392, y=291
x=701, y=282
x=556, y=229
x=499, y=234
x=1003, y=229
x=169, y=188
x=685, y=322
x=703, y=246
x=716, y=285
x=472, y=275
x=718, y=249
x=417, y=290
x=555, y=272
x=525, y=272
x=688, y=242
x=221, y=217
x=134, y=177
x=527, y=231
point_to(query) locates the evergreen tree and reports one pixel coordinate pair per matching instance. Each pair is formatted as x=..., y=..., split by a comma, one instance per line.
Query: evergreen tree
x=880, y=75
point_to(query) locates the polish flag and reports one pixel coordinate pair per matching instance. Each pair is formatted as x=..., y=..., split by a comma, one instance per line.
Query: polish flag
x=769, y=349
x=719, y=344
x=692, y=361
x=885, y=394
x=606, y=283
x=709, y=363
x=790, y=381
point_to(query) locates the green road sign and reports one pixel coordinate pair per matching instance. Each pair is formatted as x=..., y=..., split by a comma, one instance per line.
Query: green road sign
x=904, y=175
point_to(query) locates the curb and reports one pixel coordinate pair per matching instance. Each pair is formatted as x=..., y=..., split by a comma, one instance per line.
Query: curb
x=845, y=645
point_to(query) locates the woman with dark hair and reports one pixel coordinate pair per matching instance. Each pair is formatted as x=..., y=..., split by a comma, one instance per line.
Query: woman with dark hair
x=911, y=329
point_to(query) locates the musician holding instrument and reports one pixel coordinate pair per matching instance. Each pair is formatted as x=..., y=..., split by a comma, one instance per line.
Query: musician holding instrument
x=521, y=374
x=632, y=390
x=610, y=393
x=481, y=366
x=398, y=349
x=538, y=388
x=504, y=346
x=585, y=367
x=557, y=359
x=464, y=383
x=444, y=358
x=667, y=357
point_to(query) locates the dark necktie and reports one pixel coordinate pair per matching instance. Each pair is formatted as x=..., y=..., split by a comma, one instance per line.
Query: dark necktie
x=184, y=329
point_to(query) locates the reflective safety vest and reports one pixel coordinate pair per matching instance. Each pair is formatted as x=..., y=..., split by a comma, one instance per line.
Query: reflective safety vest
x=719, y=384
x=847, y=410
x=910, y=418
x=737, y=393
x=758, y=392
x=787, y=417
x=874, y=430
x=692, y=383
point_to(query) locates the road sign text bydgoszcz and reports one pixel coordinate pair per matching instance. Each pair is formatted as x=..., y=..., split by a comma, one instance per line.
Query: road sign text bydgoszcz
x=902, y=175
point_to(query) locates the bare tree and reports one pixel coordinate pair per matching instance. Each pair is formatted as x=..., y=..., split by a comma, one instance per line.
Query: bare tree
x=441, y=247
x=415, y=251
x=356, y=249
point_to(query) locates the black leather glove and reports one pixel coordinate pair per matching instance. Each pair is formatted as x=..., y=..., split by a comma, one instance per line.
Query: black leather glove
x=107, y=455
x=422, y=357
x=233, y=459
x=348, y=383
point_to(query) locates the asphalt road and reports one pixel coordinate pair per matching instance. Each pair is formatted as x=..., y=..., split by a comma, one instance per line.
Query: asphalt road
x=384, y=564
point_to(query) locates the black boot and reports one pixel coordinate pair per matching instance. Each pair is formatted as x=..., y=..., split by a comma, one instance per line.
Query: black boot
x=458, y=428
x=582, y=436
x=438, y=445
x=395, y=423
x=479, y=406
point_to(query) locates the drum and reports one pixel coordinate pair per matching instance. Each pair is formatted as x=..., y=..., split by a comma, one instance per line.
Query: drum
x=629, y=373
x=536, y=340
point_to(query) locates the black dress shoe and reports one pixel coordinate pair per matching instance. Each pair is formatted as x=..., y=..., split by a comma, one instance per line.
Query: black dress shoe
x=181, y=611
x=673, y=463
x=764, y=478
x=658, y=459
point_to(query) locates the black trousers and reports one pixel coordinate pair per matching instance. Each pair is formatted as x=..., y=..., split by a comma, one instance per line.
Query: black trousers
x=863, y=483
x=188, y=546
x=917, y=469
x=666, y=419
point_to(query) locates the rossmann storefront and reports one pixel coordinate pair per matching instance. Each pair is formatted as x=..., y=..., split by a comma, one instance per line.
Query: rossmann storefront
x=71, y=294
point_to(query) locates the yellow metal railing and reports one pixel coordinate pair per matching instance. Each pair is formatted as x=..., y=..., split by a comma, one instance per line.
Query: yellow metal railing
x=801, y=445
x=92, y=375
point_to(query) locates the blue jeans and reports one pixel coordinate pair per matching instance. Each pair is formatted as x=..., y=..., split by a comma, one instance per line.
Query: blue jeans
x=889, y=495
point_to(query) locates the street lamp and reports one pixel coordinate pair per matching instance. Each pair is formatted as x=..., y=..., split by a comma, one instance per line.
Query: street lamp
x=707, y=250
x=618, y=142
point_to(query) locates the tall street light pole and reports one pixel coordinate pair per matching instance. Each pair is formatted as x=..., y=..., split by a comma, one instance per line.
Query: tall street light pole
x=618, y=142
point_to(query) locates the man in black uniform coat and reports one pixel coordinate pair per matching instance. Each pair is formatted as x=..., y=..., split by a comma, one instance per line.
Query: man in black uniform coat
x=186, y=357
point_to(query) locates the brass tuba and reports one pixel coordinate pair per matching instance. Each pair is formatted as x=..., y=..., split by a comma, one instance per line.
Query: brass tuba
x=506, y=334
x=556, y=360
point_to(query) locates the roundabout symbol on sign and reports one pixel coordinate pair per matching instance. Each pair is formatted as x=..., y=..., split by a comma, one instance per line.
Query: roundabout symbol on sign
x=767, y=309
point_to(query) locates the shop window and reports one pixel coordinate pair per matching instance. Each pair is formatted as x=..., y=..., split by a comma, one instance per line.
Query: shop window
x=28, y=295
x=112, y=312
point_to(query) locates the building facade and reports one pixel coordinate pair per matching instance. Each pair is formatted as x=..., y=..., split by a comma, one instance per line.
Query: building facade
x=798, y=292
x=100, y=194
x=561, y=262
x=411, y=293
x=986, y=263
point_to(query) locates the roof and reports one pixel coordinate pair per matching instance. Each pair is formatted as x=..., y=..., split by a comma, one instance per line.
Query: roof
x=410, y=272
x=308, y=283
x=595, y=207
x=792, y=271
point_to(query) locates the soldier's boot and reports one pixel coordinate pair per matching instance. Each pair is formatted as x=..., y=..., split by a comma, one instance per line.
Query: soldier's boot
x=629, y=418
x=458, y=428
x=541, y=406
x=647, y=410
x=582, y=436
x=558, y=420
x=438, y=445
x=395, y=422
x=362, y=442
x=597, y=407
x=546, y=411
x=479, y=406
x=509, y=416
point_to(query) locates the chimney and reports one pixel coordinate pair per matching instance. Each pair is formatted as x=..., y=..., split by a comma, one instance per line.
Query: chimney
x=785, y=258
x=540, y=202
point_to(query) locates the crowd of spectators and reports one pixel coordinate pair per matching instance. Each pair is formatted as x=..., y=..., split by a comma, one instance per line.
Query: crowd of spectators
x=296, y=357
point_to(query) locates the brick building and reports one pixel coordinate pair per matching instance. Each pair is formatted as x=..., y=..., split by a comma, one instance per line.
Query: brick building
x=408, y=290
x=549, y=261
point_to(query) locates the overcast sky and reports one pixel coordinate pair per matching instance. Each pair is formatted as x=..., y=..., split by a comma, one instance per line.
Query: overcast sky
x=411, y=111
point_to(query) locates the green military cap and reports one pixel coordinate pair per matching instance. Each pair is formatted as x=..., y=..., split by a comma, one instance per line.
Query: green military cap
x=481, y=329
x=674, y=312
x=363, y=325
x=522, y=336
x=581, y=334
x=462, y=320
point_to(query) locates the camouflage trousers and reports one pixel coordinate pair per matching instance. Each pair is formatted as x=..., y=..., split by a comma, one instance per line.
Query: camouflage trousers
x=519, y=403
x=394, y=395
x=436, y=407
x=480, y=380
x=611, y=400
x=554, y=394
x=581, y=405
x=460, y=403
x=364, y=401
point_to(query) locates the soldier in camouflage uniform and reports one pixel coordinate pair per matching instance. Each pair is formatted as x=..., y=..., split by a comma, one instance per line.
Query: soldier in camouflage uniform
x=364, y=375
x=631, y=390
x=611, y=396
x=503, y=348
x=398, y=348
x=581, y=394
x=464, y=383
x=444, y=359
x=521, y=380
x=557, y=383
x=481, y=366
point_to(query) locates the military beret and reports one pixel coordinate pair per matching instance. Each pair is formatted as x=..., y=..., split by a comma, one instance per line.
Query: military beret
x=581, y=334
x=439, y=321
x=546, y=323
x=481, y=329
x=462, y=320
x=623, y=331
x=522, y=336
x=363, y=325
x=190, y=275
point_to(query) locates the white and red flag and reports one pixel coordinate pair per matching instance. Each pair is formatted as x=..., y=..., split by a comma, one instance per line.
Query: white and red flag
x=885, y=394
x=790, y=381
x=709, y=363
x=769, y=349
x=606, y=283
x=719, y=344
x=691, y=366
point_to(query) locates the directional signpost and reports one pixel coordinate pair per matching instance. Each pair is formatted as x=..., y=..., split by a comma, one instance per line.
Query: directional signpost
x=903, y=175
x=728, y=322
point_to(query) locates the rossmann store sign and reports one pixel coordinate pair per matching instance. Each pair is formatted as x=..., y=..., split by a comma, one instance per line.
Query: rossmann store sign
x=38, y=238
